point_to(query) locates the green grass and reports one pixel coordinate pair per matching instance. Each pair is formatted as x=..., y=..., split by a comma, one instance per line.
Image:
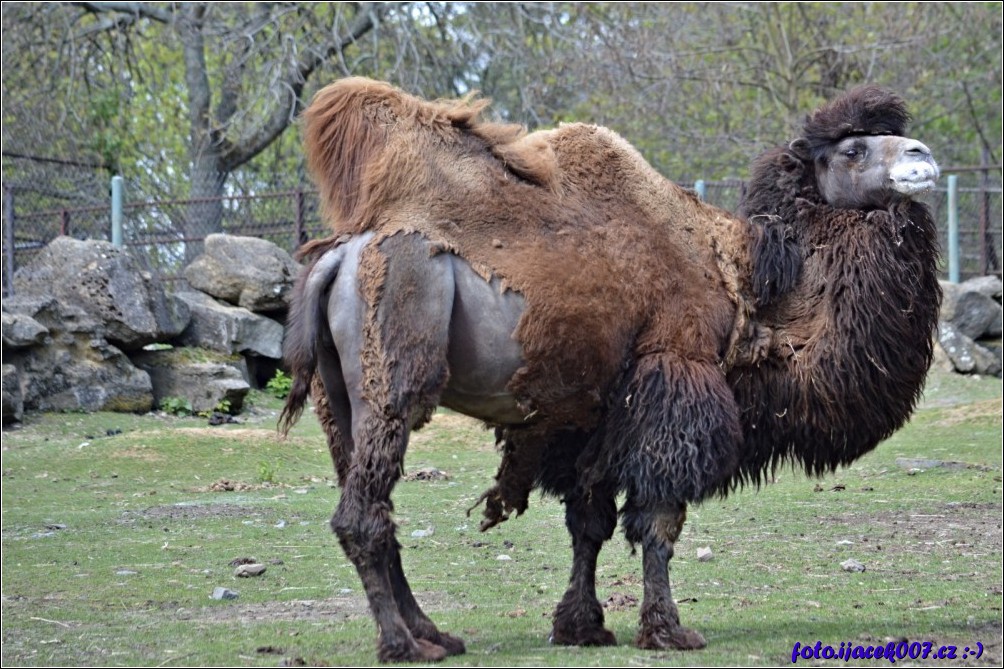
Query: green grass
x=113, y=542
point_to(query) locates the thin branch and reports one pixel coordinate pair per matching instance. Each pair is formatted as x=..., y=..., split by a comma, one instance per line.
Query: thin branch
x=135, y=9
x=976, y=121
x=367, y=18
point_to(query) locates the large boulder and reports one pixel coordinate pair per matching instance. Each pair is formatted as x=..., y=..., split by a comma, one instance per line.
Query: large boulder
x=108, y=284
x=75, y=368
x=246, y=271
x=991, y=286
x=227, y=329
x=209, y=381
x=966, y=355
x=970, y=309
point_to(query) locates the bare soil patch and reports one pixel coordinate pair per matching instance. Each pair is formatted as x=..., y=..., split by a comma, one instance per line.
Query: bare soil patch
x=191, y=512
x=331, y=609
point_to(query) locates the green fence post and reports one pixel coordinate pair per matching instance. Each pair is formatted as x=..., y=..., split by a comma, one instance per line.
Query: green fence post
x=702, y=189
x=954, y=272
x=117, y=211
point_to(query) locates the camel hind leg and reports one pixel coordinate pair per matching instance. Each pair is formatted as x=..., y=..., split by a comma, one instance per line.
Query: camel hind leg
x=396, y=312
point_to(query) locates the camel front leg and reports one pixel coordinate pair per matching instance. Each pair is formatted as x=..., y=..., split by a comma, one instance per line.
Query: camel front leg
x=578, y=620
x=657, y=531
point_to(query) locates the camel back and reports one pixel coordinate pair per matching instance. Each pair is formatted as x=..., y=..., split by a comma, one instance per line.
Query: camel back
x=614, y=261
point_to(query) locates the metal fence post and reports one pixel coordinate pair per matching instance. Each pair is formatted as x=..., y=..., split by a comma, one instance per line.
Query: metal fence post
x=953, y=228
x=117, y=210
x=8, y=214
x=300, y=236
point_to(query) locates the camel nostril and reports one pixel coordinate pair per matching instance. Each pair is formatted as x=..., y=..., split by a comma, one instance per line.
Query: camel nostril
x=917, y=150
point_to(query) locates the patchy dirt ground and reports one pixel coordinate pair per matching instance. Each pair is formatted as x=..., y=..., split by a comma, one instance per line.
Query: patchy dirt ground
x=331, y=609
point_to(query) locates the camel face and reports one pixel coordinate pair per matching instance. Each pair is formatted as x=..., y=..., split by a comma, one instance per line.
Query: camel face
x=874, y=172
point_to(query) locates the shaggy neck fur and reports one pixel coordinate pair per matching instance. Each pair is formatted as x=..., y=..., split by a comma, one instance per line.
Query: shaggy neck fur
x=851, y=340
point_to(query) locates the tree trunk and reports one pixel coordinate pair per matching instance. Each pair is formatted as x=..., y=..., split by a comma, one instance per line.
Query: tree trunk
x=203, y=215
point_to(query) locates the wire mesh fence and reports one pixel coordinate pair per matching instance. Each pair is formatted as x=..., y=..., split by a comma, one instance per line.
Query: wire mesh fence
x=167, y=234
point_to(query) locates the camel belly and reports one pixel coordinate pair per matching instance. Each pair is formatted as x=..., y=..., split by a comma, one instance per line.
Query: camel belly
x=483, y=353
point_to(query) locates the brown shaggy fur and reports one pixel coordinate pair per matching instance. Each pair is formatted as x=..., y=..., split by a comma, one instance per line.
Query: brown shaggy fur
x=554, y=215
x=671, y=350
x=852, y=340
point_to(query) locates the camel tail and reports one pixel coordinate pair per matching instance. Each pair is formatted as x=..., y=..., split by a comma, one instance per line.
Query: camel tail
x=306, y=315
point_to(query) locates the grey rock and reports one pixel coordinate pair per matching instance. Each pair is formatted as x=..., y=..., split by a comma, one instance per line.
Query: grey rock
x=249, y=570
x=227, y=329
x=852, y=565
x=13, y=402
x=224, y=593
x=77, y=368
x=21, y=331
x=973, y=313
x=204, y=378
x=966, y=355
x=108, y=284
x=990, y=286
x=246, y=271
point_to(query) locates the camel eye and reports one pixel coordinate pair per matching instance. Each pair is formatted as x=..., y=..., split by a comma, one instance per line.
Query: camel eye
x=851, y=153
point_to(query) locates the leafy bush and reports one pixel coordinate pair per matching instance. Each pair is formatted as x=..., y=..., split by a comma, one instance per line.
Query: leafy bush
x=280, y=384
x=177, y=406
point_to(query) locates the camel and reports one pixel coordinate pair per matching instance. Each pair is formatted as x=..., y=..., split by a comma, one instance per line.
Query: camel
x=619, y=334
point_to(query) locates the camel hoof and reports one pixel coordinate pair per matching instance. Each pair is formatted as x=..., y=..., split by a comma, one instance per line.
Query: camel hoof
x=451, y=644
x=674, y=638
x=597, y=636
x=422, y=651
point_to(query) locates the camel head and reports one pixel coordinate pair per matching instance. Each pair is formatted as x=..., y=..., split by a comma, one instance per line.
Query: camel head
x=861, y=157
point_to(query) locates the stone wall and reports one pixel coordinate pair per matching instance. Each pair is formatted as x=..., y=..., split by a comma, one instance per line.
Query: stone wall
x=88, y=330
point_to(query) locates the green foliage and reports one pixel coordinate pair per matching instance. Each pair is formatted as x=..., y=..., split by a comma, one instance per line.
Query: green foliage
x=267, y=471
x=280, y=384
x=223, y=406
x=698, y=88
x=176, y=406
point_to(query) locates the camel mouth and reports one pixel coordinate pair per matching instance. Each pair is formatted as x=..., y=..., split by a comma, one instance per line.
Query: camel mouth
x=914, y=177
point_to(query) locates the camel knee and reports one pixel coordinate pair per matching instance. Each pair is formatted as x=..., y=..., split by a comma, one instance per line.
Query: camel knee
x=364, y=532
x=591, y=515
x=657, y=526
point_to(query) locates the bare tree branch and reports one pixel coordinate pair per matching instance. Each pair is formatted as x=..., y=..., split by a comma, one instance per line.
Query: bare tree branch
x=367, y=18
x=135, y=9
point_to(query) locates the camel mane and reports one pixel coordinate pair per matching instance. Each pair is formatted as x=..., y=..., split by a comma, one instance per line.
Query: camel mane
x=852, y=336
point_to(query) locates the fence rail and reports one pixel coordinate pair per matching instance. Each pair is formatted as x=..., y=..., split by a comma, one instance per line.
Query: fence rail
x=165, y=235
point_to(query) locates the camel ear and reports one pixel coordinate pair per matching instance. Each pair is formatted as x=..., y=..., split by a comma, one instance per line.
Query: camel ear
x=530, y=158
x=800, y=147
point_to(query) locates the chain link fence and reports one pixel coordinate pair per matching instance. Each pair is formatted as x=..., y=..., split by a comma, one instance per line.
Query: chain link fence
x=43, y=200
